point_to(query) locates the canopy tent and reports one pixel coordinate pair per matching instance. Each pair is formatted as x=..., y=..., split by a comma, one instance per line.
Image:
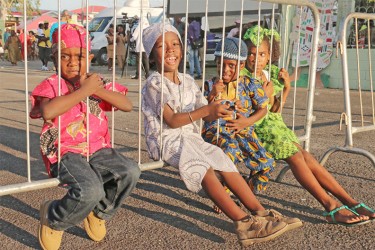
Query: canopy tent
x=33, y=23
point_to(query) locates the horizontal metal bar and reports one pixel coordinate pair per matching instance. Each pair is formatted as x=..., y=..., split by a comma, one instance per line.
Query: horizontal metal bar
x=151, y=165
x=347, y=149
x=53, y=182
x=362, y=129
x=28, y=186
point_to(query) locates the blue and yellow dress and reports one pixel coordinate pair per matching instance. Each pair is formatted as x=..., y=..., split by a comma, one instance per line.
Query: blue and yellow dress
x=276, y=137
x=242, y=146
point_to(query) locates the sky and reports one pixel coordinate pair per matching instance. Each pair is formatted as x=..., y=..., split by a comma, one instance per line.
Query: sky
x=75, y=4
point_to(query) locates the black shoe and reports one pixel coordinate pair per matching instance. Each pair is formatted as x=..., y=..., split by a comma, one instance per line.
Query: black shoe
x=199, y=77
x=134, y=77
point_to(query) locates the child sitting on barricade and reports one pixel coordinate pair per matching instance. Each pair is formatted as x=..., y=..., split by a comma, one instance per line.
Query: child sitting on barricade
x=283, y=144
x=236, y=136
x=171, y=103
x=98, y=178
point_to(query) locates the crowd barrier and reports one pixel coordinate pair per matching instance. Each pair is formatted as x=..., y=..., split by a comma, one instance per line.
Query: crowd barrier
x=282, y=25
x=354, y=126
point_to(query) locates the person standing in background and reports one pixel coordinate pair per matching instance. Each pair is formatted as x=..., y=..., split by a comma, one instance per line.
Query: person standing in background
x=201, y=50
x=1, y=46
x=44, y=45
x=110, y=39
x=234, y=32
x=13, y=45
x=6, y=35
x=22, y=40
x=31, y=45
x=180, y=27
x=139, y=49
x=121, y=40
x=304, y=32
x=194, y=33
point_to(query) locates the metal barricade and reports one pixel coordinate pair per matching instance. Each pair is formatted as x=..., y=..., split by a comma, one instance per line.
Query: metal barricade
x=347, y=115
x=39, y=184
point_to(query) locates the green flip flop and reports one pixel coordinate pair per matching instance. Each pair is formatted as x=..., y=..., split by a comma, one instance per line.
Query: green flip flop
x=334, y=211
x=365, y=207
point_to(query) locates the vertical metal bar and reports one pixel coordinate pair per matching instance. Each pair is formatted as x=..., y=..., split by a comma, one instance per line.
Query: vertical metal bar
x=59, y=80
x=204, y=58
x=312, y=75
x=162, y=83
x=26, y=93
x=257, y=47
x=185, y=38
x=221, y=63
x=239, y=47
x=345, y=74
x=222, y=40
x=358, y=71
x=370, y=70
x=88, y=98
x=271, y=42
x=140, y=90
x=114, y=70
x=296, y=69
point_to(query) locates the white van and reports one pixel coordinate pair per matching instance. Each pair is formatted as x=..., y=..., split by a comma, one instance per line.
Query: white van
x=100, y=23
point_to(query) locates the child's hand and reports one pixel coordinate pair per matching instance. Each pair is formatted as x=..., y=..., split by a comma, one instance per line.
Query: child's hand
x=91, y=83
x=268, y=88
x=238, y=124
x=218, y=110
x=284, y=76
x=218, y=87
x=237, y=104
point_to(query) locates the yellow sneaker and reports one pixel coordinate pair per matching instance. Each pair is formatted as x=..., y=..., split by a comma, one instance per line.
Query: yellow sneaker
x=49, y=239
x=95, y=227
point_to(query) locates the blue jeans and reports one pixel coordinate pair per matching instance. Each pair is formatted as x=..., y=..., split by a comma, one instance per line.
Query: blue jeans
x=194, y=61
x=100, y=185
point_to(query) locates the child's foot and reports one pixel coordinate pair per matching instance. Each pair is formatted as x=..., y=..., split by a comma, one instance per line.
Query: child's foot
x=344, y=216
x=273, y=215
x=48, y=237
x=95, y=227
x=252, y=230
x=364, y=210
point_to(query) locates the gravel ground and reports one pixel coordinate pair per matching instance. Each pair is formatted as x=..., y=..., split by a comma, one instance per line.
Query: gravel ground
x=161, y=213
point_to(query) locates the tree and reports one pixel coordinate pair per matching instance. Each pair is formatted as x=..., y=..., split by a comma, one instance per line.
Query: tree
x=32, y=6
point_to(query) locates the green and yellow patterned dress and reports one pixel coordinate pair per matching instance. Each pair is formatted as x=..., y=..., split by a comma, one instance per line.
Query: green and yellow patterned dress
x=277, y=138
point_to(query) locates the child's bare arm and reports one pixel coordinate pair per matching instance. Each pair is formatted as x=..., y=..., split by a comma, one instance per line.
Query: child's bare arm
x=278, y=103
x=284, y=76
x=209, y=112
x=116, y=99
x=51, y=108
x=242, y=122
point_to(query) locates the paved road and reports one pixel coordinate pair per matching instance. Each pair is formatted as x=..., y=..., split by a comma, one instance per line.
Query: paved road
x=161, y=213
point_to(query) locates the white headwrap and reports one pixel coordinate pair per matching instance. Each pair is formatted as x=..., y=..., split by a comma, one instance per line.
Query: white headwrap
x=153, y=32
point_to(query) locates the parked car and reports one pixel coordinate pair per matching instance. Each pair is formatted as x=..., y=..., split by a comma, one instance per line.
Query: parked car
x=100, y=23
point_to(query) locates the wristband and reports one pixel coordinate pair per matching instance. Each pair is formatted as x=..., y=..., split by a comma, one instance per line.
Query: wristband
x=191, y=119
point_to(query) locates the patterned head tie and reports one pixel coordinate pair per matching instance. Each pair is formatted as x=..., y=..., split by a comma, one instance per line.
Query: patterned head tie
x=153, y=32
x=231, y=48
x=252, y=35
x=72, y=36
